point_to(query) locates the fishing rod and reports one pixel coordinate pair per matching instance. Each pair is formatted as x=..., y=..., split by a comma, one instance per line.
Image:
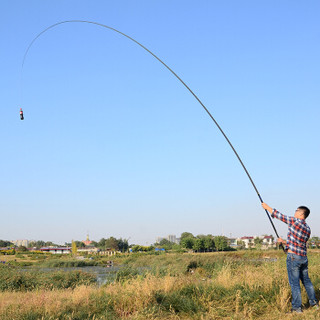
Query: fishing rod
x=186, y=86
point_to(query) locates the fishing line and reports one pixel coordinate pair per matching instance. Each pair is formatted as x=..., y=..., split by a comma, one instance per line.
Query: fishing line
x=195, y=96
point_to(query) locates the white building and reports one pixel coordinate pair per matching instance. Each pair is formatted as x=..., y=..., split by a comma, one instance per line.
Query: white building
x=267, y=242
x=170, y=237
x=248, y=241
x=88, y=250
x=173, y=238
x=56, y=250
x=19, y=243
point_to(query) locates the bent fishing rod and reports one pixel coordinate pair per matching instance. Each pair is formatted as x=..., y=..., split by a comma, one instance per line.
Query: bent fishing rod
x=186, y=86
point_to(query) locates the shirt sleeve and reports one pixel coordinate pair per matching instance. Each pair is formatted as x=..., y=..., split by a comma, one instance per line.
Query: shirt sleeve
x=276, y=214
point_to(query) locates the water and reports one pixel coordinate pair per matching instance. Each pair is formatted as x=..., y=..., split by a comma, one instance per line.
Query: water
x=103, y=274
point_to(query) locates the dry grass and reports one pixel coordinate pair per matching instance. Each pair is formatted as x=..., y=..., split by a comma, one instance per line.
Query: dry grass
x=234, y=292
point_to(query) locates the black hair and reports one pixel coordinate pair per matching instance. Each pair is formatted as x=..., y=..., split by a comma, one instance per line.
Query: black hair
x=306, y=211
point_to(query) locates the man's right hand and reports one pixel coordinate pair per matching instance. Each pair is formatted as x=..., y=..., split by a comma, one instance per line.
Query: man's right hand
x=266, y=207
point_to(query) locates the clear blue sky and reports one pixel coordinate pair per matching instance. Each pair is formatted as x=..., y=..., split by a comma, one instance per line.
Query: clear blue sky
x=112, y=144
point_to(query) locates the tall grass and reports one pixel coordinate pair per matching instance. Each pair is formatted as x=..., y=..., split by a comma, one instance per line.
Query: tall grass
x=68, y=263
x=204, y=286
x=13, y=279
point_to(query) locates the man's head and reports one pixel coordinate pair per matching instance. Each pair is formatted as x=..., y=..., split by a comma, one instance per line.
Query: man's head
x=302, y=212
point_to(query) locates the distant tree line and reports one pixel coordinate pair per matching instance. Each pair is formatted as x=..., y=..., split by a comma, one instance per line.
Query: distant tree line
x=113, y=244
x=40, y=244
x=199, y=243
x=5, y=243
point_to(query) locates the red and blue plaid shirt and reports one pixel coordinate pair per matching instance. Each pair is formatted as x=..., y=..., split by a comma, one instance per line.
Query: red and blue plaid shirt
x=298, y=233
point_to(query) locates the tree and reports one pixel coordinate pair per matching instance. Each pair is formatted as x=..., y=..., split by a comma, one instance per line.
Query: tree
x=241, y=244
x=22, y=249
x=50, y=244
x=94, y=244
x=138, y=248
x=166, y=244
x=112, y=243
x=258, y=242
x=80, y=244
x=221, y=243
x=102, y=244
x=198, y=245
x=185, y=235
x=209, y=243
x=187, y=243
x=40, y=244
x=74, y=248
x=123, y=245
x=5, y=243
x=37, y=244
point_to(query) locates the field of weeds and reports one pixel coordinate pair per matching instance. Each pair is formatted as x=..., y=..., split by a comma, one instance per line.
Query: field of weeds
x=234, y=285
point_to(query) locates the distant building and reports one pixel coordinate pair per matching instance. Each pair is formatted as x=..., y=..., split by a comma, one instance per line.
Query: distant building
x=248, y=241
x=170, y=237
x=90, y=249
x=158, y=240
x=232, y=242
x=87, y=242
x=267, y=241
x=19, y=243
x=56, y=250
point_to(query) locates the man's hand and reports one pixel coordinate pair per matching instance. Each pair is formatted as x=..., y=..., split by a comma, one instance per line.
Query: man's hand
x=266, y=207
x=280, y=240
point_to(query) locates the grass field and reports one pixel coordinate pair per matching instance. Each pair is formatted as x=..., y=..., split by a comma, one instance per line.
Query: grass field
x=233, y=285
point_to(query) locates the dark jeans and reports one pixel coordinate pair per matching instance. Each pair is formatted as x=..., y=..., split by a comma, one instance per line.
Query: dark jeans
x=297, y=267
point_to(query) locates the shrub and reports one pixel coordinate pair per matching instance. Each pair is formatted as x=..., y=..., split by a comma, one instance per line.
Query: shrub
x=192, y=265
x=13, y=279
x=8, y=252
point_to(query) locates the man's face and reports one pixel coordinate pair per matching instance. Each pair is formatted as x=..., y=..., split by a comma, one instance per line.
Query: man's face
x=299, y=214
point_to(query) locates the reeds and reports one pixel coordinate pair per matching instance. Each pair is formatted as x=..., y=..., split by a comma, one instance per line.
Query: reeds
x=14, y=279
x=203, y=287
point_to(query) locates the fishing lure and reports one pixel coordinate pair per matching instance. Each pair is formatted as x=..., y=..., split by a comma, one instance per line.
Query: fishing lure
x=21, y=114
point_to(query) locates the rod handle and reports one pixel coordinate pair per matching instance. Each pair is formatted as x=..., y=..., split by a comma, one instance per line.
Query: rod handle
x=280, y=245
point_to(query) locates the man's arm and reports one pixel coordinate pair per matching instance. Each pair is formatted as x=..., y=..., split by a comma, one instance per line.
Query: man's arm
x=276, y=214
x=266, y=207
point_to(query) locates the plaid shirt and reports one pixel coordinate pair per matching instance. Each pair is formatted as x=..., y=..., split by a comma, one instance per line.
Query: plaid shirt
x=298, y=233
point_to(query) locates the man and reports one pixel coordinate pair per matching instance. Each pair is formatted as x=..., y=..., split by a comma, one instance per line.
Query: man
x=296, y=248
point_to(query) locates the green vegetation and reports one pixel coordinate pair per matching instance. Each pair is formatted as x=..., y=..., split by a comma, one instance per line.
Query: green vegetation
x=8, y=251
x=199, y=243
x=113, y=243
x=62, y=263
x=247, y=284
x=126, y=273
x=14, y=279
x=5, y=243
x=223, y=285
